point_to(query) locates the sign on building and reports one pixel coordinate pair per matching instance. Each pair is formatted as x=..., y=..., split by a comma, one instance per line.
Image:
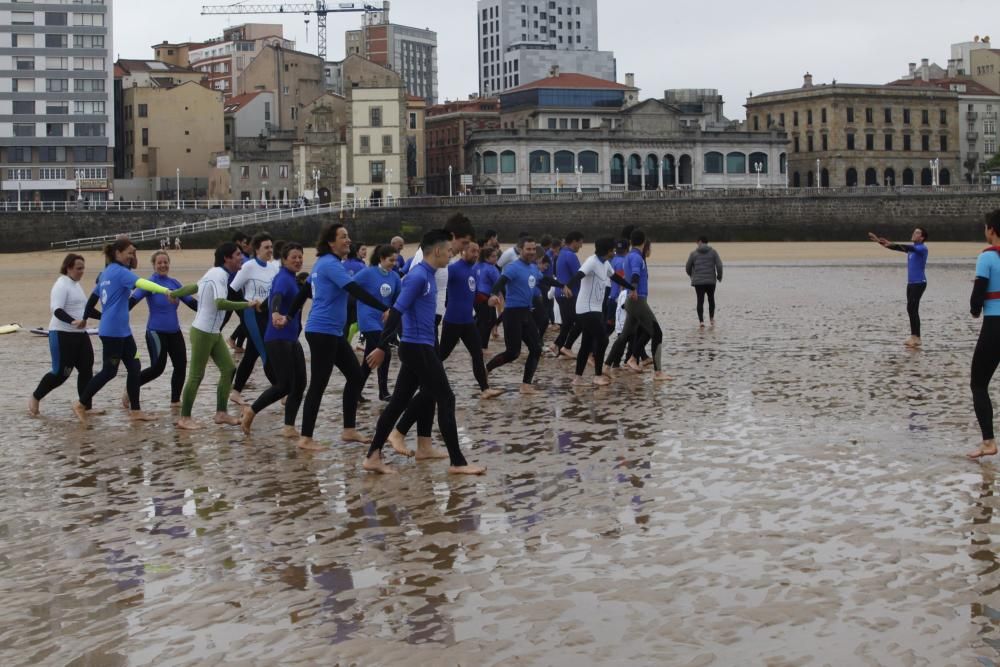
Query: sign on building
x=466, y=179
x=222, y=162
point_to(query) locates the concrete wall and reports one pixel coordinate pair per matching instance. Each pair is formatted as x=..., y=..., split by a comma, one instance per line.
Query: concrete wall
x=948, y=217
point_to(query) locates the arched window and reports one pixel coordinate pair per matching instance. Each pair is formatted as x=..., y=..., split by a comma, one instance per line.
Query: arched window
x=809, y=179
x=851, y=180
x=489, y=162
x=617, y=170
x=589, y=161
x=685, y=170
x=889, y=177
x=669, y=170
x=796, y=181
x=871, y=176
x=907, y=176
x=652, y=172
x=736, y=163
x=825, y=178
x=762, y=159
x=783, y=163
x=925, y=177
x=634, y=172
x=565, y=162
x=713, y=163
x=944, y=177
x=541, y=162
x=508, y=162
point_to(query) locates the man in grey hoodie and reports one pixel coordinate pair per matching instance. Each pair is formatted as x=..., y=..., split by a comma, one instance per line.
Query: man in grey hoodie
x=705, y=268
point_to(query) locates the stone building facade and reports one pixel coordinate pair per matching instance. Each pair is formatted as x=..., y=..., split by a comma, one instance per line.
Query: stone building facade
x=447, y=127
x=847, y=135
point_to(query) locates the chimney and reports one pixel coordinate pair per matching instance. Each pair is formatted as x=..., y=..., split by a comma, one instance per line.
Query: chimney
x=913, y=70
x=630, y=80
x=554, y=70
x=952, y=68
x=925, y=69
x=807, y=80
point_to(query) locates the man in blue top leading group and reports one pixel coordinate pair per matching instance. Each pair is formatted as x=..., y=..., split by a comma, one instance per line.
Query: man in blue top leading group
x=986, y=301
x=421, y=368
x=566, y=266
x=916, y=276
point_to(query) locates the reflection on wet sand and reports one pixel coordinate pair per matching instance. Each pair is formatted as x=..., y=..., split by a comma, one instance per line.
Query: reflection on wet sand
x=797, y=495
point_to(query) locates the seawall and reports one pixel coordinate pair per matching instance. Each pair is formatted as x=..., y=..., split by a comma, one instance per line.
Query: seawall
x=820, y=217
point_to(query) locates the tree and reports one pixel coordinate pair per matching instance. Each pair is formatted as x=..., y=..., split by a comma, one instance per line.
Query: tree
x=970, y=165
x=994, y=163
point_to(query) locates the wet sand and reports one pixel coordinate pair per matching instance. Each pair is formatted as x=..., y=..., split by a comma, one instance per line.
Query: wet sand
x=796, y=496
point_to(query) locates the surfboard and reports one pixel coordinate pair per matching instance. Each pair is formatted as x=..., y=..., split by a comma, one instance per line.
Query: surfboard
x=42, y=331
x=9, y=328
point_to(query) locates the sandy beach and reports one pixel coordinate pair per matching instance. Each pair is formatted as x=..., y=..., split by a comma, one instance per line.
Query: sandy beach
x=796, y=496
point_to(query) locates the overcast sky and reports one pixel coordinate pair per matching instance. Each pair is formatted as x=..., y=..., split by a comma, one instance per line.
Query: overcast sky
x=733, y=45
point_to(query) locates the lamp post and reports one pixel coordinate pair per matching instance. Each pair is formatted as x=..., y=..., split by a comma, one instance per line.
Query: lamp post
x=449, y=181
x=757, y=167
x=178, y=188
x=316, y=173
x=79, y=189
x=579, y=178
x=557, y=180
x=389, y=185
x=819, y=180
x=19, y=194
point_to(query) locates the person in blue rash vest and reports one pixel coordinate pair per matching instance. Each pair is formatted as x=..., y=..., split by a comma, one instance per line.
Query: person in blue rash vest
x=114, y=287
x=381, y=280
x=281, y=341
x=916, y=276
x=421, y=368
x=163, y=329
x=519, y=279
x=985, y=300
x=459, y=317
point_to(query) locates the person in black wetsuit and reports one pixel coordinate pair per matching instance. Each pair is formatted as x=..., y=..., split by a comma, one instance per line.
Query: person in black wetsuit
x=985, y=300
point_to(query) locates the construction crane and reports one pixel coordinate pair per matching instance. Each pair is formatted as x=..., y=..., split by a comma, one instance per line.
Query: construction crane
x=321, y=8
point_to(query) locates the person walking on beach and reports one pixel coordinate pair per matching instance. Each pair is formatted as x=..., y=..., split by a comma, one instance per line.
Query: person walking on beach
x=705, y=269
x=916, y=276
x=69, y=343
x=985, y=300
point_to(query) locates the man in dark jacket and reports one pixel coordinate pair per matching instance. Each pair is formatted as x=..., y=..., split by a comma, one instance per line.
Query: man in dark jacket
x=705, y=269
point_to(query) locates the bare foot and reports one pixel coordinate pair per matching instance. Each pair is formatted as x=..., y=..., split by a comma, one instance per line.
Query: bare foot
x=237, y=398
x=601, y=381
x=33, y=406
x=140, y=416
x=398, y=443
x=374, y=463
x=289, y=432
x=701, y=325
x=566, y=353
x=80, y=411
x=187, y=424
x=490, y=393
x=352, y=435
x=246, y=419
x=553, y=350
x=712, y=322
x=528, y=389
x=427, y=452
x=309, y=445
x=226, y=418
x=647, y=362
x=96, y=411
x=988, y=448
x=578, y=381
x=633, y=366
x=175, y=406
x=590, y=361
x=661, y=376
x=467, y=470
x=125, y=402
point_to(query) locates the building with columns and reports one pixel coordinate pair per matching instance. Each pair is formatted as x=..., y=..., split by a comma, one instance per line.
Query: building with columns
x=572, y=133
x=848, y=135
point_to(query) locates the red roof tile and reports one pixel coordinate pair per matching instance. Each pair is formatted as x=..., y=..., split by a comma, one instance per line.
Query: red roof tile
x=572, y=80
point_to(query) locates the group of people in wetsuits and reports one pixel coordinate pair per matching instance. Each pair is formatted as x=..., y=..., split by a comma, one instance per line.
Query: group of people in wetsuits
x=455, y=288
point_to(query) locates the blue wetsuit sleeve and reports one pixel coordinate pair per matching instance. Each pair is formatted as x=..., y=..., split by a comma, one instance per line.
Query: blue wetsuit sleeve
x=900, y=247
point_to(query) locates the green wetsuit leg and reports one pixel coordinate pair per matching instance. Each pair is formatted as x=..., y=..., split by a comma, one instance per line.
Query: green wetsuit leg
x=201, y=348
x=227, y=369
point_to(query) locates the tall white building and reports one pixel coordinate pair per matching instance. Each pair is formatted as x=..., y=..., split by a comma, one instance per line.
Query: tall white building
x=521, y=41
x=56, y=100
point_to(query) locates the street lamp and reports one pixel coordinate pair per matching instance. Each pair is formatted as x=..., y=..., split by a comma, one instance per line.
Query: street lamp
x=757, y=167
x=316, y=174
x=178, y=188
x=79, y=191
x=557, y=181
x=819, y=180
x=579, y=177
x=449, y=181
x=389, y=185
